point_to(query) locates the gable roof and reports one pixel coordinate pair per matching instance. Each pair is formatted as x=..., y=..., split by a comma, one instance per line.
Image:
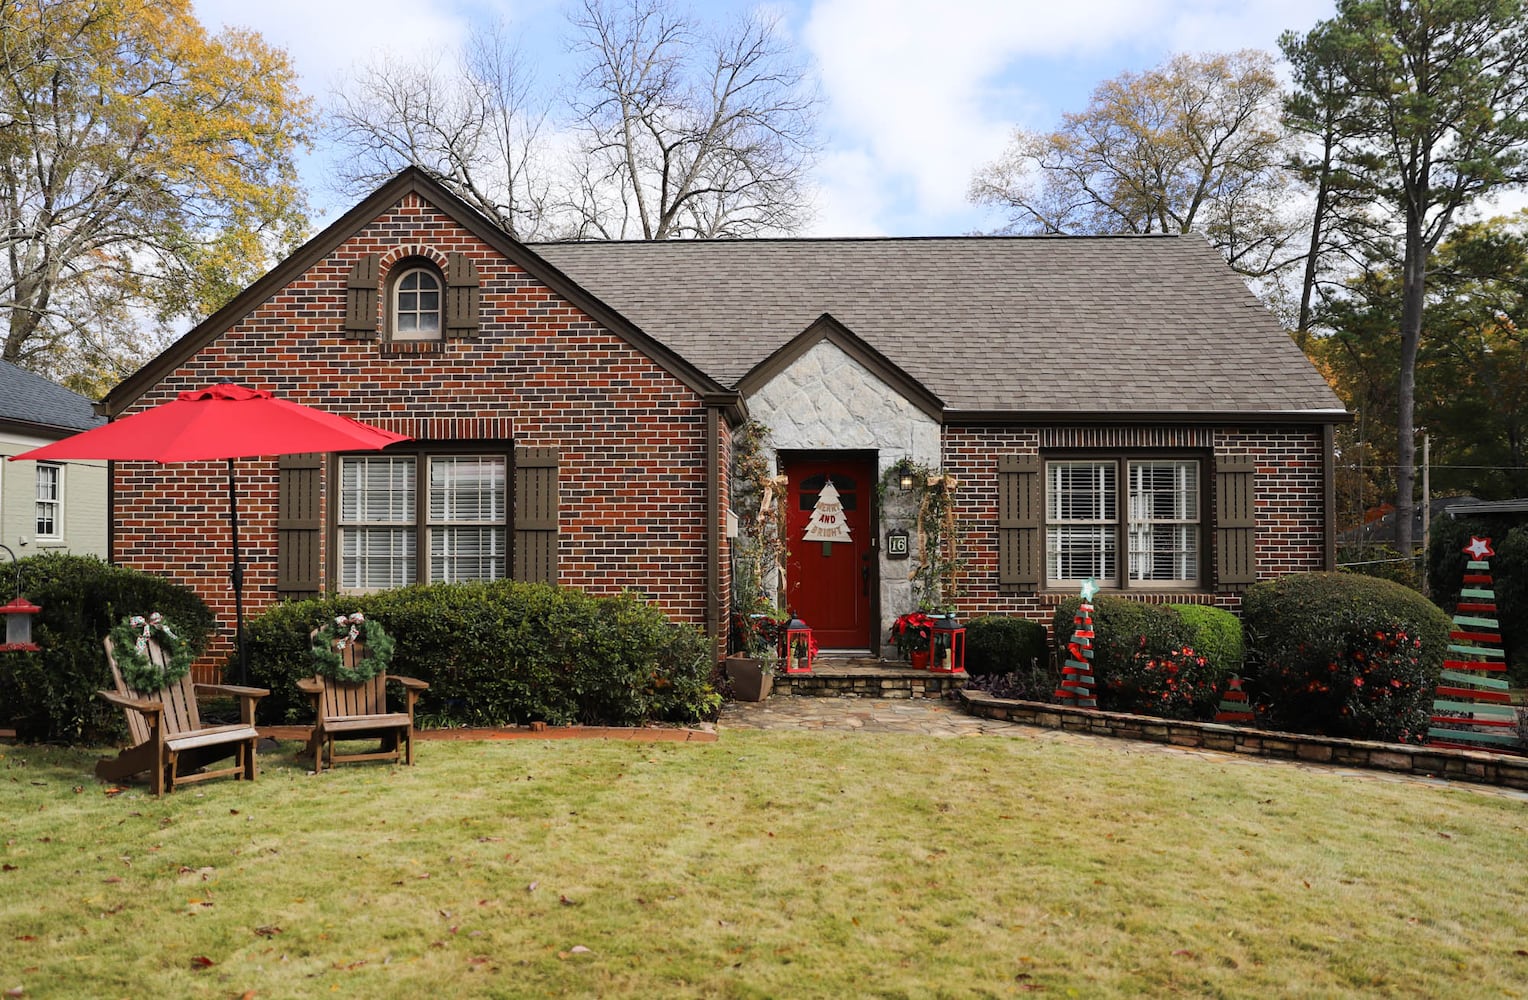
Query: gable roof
x=32, y=402
x=410, y=180
x=1035, y=326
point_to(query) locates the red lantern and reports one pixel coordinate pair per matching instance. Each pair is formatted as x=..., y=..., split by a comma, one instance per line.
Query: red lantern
x=18, y=617
x=798, y=648
x=947, y=646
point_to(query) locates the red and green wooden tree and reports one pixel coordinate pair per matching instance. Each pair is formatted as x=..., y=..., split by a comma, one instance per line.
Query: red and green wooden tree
x=1472, y=709
x=1077, y=670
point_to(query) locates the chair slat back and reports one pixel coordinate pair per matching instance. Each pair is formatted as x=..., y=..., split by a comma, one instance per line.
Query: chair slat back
x=365, y=698
x=179, y=698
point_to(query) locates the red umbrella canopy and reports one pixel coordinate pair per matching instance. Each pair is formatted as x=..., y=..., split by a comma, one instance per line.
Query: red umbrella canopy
x=220, y=421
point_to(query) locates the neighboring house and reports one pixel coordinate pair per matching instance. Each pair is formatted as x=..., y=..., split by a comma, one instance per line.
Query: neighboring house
x=47, y=506
x=1113, y=407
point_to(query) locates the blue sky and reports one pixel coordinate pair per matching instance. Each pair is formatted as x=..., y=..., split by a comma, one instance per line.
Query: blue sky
x=917, y=94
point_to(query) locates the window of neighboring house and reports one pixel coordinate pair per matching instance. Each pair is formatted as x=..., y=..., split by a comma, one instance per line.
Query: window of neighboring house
x=415, y=305
x=50, y=501
x=1159, y=533
x=461, y=524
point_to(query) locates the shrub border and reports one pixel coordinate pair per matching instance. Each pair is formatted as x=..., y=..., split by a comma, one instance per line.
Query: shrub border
x=1504, y=770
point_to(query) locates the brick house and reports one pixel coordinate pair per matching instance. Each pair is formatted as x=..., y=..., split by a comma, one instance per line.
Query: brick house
x=1119, y=408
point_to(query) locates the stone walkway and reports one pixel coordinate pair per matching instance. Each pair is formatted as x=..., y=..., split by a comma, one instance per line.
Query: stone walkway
x=931, y=717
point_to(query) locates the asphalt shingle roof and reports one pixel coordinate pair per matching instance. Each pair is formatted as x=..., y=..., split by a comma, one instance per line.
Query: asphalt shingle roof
x=30, y=398
x=1113, y=324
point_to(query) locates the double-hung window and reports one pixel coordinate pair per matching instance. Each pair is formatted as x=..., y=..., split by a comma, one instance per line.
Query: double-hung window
x=1124, y=522
x=450, y=507
x=50, y=501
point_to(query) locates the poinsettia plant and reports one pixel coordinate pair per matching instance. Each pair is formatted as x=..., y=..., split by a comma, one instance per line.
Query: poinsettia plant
x=911, y=632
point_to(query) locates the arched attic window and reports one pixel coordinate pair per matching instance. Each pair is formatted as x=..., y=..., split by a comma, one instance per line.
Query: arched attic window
x=415, y=302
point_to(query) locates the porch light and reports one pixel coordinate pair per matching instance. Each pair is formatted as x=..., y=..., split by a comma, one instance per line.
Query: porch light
x=905, y=476
x=798, y=649
x=18, y=617
x=947, y=645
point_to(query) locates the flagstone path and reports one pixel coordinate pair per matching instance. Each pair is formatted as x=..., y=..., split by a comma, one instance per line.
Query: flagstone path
x=931, y=717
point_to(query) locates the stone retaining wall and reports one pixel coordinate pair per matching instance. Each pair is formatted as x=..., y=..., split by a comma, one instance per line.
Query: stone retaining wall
x=903, y=684
x=1463, y=765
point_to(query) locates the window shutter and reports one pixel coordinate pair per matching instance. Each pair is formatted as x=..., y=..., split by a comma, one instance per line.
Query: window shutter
x=536, y=515
x=1235, y=522
x=1020, y=555
x=462, y=296
x=361, y=299
x=299, y=525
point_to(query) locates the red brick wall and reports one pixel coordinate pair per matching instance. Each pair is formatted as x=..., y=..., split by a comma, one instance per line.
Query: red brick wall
x=630, y=435
x=1289, y=497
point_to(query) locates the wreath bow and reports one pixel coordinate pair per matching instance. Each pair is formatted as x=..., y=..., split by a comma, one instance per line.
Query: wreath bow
x=354, y=620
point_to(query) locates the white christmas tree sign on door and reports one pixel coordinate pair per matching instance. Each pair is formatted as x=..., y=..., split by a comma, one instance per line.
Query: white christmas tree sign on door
x=828, y=524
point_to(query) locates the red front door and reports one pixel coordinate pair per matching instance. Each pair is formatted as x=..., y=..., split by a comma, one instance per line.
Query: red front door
x=828, y=583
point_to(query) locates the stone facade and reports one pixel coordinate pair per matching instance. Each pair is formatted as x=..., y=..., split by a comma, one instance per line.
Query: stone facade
x=828, y=401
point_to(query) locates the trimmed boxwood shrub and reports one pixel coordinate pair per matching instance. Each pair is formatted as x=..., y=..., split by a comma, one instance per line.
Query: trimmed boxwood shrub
x=1344, y=655
x=1217, y=635
x=1009, y=657
x=504, y=653
x=1124, y=630
x=1509, y=573
x=51, y=695
x=998, y=644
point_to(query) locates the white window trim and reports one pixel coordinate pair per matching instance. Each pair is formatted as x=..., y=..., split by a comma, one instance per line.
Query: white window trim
x=440, y=302
x=423, y=525
x=57, y=502
x=1122, y=523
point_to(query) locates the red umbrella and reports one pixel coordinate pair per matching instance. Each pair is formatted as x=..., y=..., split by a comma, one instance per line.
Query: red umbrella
x=223, y=421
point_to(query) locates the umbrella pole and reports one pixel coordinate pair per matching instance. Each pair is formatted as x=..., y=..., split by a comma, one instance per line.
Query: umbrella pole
x=237, y=575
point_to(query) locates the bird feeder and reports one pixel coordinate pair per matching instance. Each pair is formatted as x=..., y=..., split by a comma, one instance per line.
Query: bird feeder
x=947, y=645
x=18, y=617
x=797, y=647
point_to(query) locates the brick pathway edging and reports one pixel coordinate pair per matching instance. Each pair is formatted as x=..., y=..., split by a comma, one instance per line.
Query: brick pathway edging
x=1504, y=770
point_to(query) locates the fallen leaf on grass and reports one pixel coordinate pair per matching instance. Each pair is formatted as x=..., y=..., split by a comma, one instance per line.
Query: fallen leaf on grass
x=15, y=991
x=532, y=887
x=112, y=880
x=247, y=995
x=267, y=930
x=1184, y=953
x=202, y=962
x=565, y=901
x=577, y=949
x=32, y=937
x=114, y=790
x=7, y=868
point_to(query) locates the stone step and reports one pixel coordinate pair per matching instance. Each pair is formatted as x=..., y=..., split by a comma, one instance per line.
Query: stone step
x=866, y=677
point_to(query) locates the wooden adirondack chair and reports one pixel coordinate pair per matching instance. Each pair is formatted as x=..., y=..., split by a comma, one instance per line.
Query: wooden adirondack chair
x=169, y=740
x=359, y=712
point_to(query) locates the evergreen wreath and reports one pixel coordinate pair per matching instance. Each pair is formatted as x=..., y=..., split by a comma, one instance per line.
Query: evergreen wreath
x=130, y=648
x=330, y=640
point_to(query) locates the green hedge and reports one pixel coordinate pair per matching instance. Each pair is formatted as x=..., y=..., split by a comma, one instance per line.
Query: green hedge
x=51, y=695
x=1509, y=572
x=1344, y=655
x=505, y=653
x=998, y=644
x=1217, y=635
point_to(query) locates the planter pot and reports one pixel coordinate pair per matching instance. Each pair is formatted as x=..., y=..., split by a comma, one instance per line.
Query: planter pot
x=920, y=659
x=751, y=680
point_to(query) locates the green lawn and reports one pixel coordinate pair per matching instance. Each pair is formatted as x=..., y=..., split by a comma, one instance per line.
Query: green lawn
x=762, y=865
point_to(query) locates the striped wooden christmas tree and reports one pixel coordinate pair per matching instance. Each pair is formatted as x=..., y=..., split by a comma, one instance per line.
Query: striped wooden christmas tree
x=1077, y=670
x=1233, y=705
x=1472, y=709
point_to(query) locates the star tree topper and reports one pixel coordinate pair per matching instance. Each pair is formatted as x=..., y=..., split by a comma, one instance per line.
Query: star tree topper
x=1479, y=548
x=1089, y=588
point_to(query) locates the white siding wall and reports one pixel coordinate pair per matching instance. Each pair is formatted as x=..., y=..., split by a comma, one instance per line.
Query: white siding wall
x=84, y=504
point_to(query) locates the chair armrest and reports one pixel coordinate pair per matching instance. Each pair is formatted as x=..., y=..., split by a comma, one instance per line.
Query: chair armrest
x=136, y=704
x=310, y=685
x=412, y=683
x=232, y=689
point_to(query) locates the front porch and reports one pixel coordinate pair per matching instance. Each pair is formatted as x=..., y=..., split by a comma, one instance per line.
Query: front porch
x=859, y=675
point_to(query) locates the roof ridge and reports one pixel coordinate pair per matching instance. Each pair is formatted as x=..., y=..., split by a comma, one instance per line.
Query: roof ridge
x=791, y=240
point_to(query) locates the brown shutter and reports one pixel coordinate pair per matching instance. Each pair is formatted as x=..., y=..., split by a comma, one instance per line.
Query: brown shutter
x=536, y=515
x=361, y=299
x=462, y=296
x=1235, y=522
x=299, y=525
x=1020, y=555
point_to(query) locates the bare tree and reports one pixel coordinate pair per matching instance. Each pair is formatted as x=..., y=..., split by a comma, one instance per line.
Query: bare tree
x=477, y=124
x=1194, y=145
x=687, y=135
